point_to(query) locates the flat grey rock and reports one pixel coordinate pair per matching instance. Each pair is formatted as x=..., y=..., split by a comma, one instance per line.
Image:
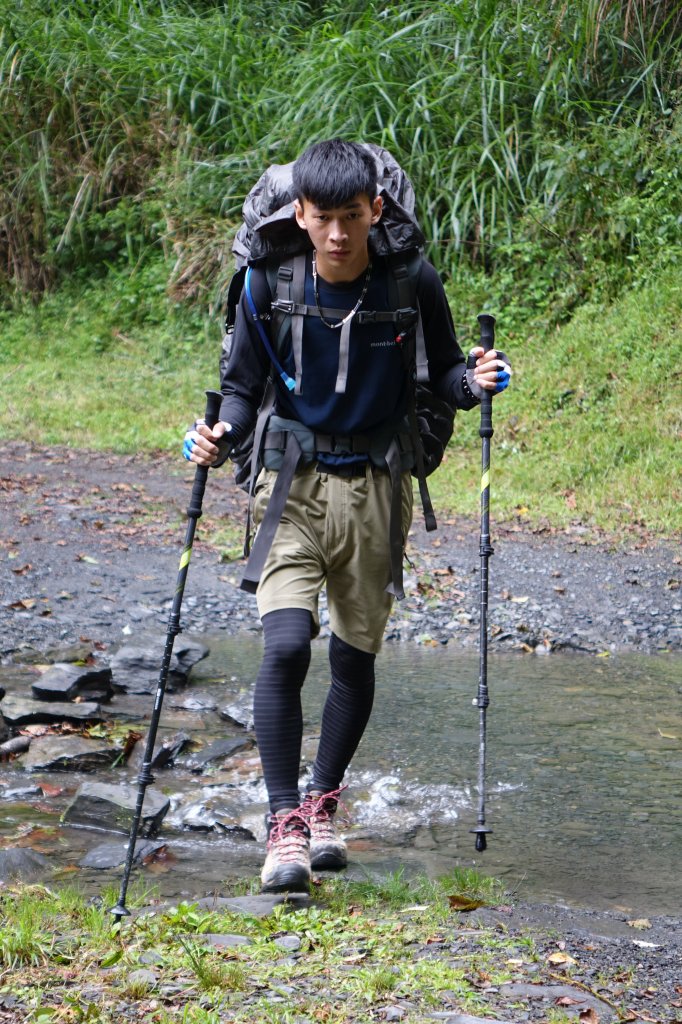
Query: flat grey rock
x=110, y=808
x=220, y=941
x=69, y=754
x=255, y=906
x=550, y=993
x=136, y=667
x=220, y=750
x=113, y=855
x=17, y=711
x=25, y=864
x=65, y=682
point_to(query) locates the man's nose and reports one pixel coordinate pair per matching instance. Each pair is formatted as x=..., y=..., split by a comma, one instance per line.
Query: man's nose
x=338, y=231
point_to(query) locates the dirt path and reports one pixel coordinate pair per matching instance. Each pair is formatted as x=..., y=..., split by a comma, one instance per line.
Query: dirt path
x=90, y=543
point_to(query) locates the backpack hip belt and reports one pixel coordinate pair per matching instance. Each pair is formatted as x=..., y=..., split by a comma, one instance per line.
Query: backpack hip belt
x=292, y=445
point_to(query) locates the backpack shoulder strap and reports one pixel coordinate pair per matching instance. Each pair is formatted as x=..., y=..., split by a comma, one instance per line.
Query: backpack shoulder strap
x=287, y=286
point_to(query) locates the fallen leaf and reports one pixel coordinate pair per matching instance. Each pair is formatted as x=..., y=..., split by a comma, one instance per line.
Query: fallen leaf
x=22, y=569
x=25, y=604
x=567, y=1001
x=560, y=958
x=589, y=1016
x=87, y=558
x=464, y=903
x=641, y=923
x=666, y=735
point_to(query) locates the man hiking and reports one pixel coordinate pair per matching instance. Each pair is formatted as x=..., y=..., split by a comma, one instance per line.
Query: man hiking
x=337, y=520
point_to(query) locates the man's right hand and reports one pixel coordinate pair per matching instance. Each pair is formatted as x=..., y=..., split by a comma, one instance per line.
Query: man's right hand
x=205, y=446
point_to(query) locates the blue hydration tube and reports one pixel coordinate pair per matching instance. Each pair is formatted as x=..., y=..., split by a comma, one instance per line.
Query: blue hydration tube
x=289, y=382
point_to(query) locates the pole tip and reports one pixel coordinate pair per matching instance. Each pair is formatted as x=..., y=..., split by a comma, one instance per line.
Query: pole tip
x=119, y=911
x=480, y=832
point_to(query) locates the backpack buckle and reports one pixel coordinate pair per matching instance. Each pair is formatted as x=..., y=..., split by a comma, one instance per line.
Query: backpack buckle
x=406, y=316
x=284, y=305
x=366, y=316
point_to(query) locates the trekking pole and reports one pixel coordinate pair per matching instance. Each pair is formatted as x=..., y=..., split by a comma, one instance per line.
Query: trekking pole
x=487, y=325
x=145, y=778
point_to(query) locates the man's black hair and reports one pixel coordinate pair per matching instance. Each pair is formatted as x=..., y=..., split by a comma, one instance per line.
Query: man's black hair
x=332, y=173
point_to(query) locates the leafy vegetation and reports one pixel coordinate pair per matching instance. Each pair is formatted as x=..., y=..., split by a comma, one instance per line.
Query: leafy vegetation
x=358, y=949
x=527, y=129
x=544, y=144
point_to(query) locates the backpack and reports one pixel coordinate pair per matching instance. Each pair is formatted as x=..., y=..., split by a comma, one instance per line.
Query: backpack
x=270, y=236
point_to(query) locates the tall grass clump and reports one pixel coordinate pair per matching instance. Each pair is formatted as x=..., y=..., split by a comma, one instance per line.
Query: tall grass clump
x=543, y=139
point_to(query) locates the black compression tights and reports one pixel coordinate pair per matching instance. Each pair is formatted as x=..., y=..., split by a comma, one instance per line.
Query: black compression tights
x=277, y=706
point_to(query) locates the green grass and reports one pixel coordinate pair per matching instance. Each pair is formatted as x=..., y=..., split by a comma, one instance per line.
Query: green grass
x=112, y=366
x=362, y=947
x=588, y=432
x=590, y=429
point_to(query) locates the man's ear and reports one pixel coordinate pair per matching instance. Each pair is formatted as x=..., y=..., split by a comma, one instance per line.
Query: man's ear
x=377, y=207
x=298, y=208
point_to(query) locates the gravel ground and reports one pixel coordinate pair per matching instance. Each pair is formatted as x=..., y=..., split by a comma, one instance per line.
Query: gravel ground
x=90, y=542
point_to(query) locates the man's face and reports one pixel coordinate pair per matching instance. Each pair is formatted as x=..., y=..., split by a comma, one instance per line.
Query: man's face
x=340, y=235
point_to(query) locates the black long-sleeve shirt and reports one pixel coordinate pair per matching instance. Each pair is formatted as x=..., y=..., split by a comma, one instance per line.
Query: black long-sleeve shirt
x=376, y=390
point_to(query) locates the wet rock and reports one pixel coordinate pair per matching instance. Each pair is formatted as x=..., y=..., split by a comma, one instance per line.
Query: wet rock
x=113, y=855
x=221, y=941
x=291, y=943
x=65, y=682
x=110, y=808
x=550, y=994
x=239, y=712
x=464, y=1018
x=21, y=793
x=27, y=865
x=255, y=906
x=218, y=751
x=69, y=754
x=196, y=702
x=15, y=746
x=136, y=668
x=165, y=752
x=17, y=711
x=214, y=812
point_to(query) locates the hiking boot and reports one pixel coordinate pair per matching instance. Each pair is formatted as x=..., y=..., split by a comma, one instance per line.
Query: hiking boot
x=287, y=864
x=327, y=848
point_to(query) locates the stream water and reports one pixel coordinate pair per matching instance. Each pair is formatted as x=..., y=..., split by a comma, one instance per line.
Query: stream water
x=583, y=775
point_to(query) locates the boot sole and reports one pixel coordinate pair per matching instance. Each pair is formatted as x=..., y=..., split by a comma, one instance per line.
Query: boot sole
x=328, y=862
x=291, y=881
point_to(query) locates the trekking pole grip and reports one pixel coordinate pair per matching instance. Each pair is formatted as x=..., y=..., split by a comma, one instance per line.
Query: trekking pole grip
x=487, y=327
x=211, y=417
x=212, y=414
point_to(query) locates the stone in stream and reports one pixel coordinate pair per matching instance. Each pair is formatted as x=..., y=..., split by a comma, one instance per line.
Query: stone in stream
x=25, y=864
x=69, y=754
x=16, y=711
x=164, y=754
x=113, y=855
x=136, y=668
x=217, y=751
x=110, y=808
x=65, y=682
x=240, y=712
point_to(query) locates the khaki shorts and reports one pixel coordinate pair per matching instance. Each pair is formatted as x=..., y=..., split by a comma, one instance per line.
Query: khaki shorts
x=334, y=530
